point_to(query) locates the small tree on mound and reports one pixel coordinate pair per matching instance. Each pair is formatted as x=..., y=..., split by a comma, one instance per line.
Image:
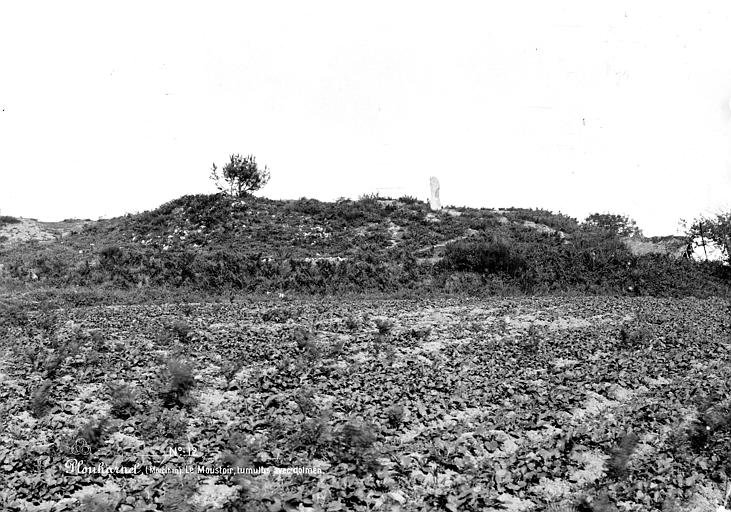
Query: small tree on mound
x=716, y=230
x=240, y=176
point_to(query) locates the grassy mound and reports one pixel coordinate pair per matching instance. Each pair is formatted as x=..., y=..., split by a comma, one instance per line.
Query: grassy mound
x=215, y=243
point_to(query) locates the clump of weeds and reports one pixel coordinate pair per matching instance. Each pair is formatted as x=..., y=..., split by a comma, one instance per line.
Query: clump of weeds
x=124, y=401
x=353, y=444
x=40, y=401
x=179, y=382
x=395, y=415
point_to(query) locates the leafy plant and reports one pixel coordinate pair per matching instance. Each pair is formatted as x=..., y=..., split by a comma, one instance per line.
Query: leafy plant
x=569, y=507
x=338, y=347
x=229, y=369
x=304, y=398
x=92, y=434
x=164, y=422
x=110, y=257
x=395, y=415
x=353, y=443
x=12, y=314
x=313, y=435
x=97, y=341
x=302, y=337
x=124, y=401
x=53, y=362
x=621, y=454
x=180, y=382
x=175, y=330
x=104, y=502
x=306, y=341
x=40, y=400
x=384, y=326
x=178, y=489
x=633, y=336
x=714, y=417
x=181, y=329
x=534, y=339
x=419, y=333
x=351, y=323
x=278, y=315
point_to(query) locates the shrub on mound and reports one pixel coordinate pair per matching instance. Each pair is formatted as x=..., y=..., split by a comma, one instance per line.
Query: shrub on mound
x=7, y=219
x=484, y=257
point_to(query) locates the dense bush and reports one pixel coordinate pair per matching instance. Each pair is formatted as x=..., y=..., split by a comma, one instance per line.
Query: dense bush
x=557, y=221
x=7, y=219
x=408, y=200
x=484, y=257
x=616, y=225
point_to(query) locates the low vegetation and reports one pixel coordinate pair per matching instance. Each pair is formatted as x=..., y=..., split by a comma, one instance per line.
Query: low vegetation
x=523, y=404
x=219, y=245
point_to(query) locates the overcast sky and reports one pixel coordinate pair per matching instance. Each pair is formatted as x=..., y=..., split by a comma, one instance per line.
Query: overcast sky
x=571, y=106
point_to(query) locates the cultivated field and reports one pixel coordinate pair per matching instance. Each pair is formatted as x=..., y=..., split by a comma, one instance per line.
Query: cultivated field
x=496, y=404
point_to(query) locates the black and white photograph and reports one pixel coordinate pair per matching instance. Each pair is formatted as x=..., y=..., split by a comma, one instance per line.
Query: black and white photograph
x=332, y=256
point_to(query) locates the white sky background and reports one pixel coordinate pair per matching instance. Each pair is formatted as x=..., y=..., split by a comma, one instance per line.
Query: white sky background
x=570, y=106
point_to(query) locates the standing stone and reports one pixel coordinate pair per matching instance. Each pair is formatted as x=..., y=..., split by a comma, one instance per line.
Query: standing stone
x=434, y=201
